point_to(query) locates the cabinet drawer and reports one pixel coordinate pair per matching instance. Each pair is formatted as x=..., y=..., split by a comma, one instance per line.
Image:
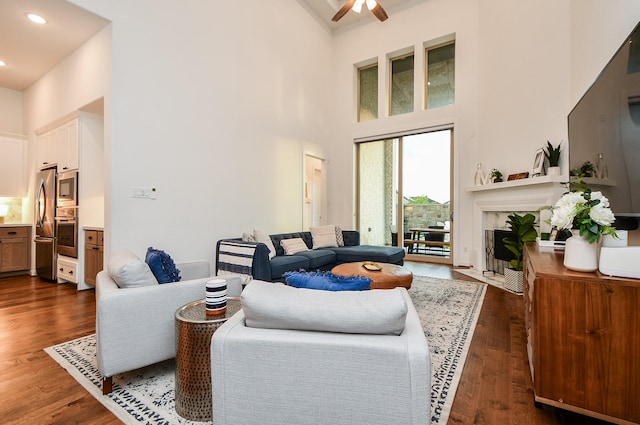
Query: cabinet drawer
x=93, y=237
x=14, y=232
x=67, y=270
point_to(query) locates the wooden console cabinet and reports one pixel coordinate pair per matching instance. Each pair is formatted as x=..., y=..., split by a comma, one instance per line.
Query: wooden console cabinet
x=583, y=338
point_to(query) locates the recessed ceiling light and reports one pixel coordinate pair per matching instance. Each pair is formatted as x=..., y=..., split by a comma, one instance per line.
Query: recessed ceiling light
x=36, y=18
x=3, y=63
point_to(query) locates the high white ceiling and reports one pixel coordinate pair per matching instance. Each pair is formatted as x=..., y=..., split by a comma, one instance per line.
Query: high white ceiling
x=324, y=10
x=32, y=50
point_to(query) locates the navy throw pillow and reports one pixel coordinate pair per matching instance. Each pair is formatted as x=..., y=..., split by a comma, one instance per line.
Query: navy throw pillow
x=327, y=281
x=162, y=266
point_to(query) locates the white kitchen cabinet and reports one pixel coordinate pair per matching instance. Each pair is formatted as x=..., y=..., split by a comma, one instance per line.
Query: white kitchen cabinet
x=68, y=146
x=47, y=149
x=59, y=144
x=13, y=156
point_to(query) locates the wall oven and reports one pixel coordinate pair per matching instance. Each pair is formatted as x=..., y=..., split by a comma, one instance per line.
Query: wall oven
x=67, y=231
x=67, y=194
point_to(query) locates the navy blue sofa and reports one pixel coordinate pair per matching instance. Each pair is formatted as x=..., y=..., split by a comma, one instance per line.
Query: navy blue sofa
x=272, y=270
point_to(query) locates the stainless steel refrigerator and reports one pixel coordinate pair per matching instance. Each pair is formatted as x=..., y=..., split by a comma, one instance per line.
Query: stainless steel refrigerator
x=45, y=204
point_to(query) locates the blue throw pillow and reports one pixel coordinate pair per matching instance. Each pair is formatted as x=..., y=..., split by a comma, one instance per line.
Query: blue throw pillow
x=162, y=266
x=327, y=281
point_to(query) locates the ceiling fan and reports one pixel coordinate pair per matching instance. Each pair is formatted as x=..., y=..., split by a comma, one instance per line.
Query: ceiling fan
x=356, y=5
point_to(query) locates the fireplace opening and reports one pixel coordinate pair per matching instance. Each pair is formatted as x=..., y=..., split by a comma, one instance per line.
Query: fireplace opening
x=497, y=256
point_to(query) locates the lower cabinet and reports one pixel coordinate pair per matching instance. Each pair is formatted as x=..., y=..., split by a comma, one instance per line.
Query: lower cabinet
x=582, y=338
x=93, y=255
x=67, y=269
x=15, y=249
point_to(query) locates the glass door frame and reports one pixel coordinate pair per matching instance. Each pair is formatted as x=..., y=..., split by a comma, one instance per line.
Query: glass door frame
x=399, y=200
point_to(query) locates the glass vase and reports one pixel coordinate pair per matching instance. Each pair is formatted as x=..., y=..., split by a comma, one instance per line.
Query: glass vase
x=601, y=167
x=579, y=254
x=479, y=179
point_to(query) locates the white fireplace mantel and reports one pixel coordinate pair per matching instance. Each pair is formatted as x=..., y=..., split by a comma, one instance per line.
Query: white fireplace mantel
x=525, y=195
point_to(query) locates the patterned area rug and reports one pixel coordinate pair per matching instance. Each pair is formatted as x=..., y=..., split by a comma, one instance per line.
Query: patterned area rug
x=448, y=311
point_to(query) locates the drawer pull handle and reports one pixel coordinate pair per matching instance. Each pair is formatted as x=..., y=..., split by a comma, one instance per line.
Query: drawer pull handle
x=95, y=248
x=13, y=233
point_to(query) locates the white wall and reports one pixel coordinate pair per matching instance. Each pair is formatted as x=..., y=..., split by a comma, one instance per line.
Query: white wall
x=11, y=111
x=515, y=85
x=213, y=104
x=78, y=80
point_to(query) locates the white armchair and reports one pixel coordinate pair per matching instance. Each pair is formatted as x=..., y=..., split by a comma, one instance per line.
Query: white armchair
x=135, y=326
x=301, y=356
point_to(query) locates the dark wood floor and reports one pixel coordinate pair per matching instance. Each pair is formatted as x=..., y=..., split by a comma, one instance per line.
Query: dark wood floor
x=495, y=387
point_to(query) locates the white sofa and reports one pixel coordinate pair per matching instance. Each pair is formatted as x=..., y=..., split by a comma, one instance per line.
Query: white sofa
x=135, y=326
x=303, y=356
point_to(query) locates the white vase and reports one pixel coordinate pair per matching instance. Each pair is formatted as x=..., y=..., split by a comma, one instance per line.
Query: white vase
x=579, y=254
x=553, y=171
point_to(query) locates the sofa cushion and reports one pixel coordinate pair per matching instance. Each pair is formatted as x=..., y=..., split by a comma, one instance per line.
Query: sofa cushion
x=339, y=237
x=162, y=266
x=262, y=237
x=278, y=238
x=277, y=306
x=382, y=254
x=327, y=281
x=287, y=263
x=293, y=246
x=319, y=257
x=128, y=271
x=324, y=236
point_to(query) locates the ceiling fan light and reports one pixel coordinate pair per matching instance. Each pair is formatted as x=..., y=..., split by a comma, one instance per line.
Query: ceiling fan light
x=357, y=6
x=371, y=4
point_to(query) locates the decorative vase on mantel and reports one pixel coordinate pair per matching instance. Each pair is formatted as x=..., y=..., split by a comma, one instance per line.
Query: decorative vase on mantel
x=553, y=171
x=579, y=254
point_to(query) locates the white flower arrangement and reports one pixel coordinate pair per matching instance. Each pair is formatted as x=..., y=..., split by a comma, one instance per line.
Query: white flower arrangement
x=585, y=210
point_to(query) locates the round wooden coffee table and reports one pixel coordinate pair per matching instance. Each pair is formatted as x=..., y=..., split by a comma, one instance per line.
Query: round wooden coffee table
x=391, y=275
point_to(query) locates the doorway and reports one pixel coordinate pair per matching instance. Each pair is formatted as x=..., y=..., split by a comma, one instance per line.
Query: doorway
x=314, y=205
x=404, y=194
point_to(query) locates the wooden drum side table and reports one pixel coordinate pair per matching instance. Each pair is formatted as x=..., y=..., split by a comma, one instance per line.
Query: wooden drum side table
x=194, y=329
x=391, y=275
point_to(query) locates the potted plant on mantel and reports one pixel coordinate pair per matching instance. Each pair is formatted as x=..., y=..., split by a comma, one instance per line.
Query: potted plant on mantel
x=523, y=229
x=496, y=175
x=553, y=157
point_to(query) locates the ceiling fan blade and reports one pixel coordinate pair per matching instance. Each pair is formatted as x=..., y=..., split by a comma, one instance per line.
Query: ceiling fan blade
x=343, y=10
x=379, y=12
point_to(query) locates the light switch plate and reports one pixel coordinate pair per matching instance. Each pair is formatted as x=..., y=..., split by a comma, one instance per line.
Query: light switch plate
x=143, y=192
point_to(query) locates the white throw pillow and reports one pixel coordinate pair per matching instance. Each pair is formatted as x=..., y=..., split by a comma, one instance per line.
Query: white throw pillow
x=324, y=236
x=248, y=237
x=129, y=271
x=293, y=246
x=262, y=237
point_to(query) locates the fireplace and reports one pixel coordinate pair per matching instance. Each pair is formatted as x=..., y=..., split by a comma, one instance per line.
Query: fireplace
x=494, y=202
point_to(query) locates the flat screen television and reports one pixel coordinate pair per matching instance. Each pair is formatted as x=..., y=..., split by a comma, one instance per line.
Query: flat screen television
x=606, y=121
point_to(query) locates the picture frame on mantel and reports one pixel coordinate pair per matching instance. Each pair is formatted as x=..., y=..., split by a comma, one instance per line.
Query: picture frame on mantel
x=538, y=163
x=518, y=176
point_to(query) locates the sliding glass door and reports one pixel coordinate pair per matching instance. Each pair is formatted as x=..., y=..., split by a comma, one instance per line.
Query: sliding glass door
x=404, y=194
